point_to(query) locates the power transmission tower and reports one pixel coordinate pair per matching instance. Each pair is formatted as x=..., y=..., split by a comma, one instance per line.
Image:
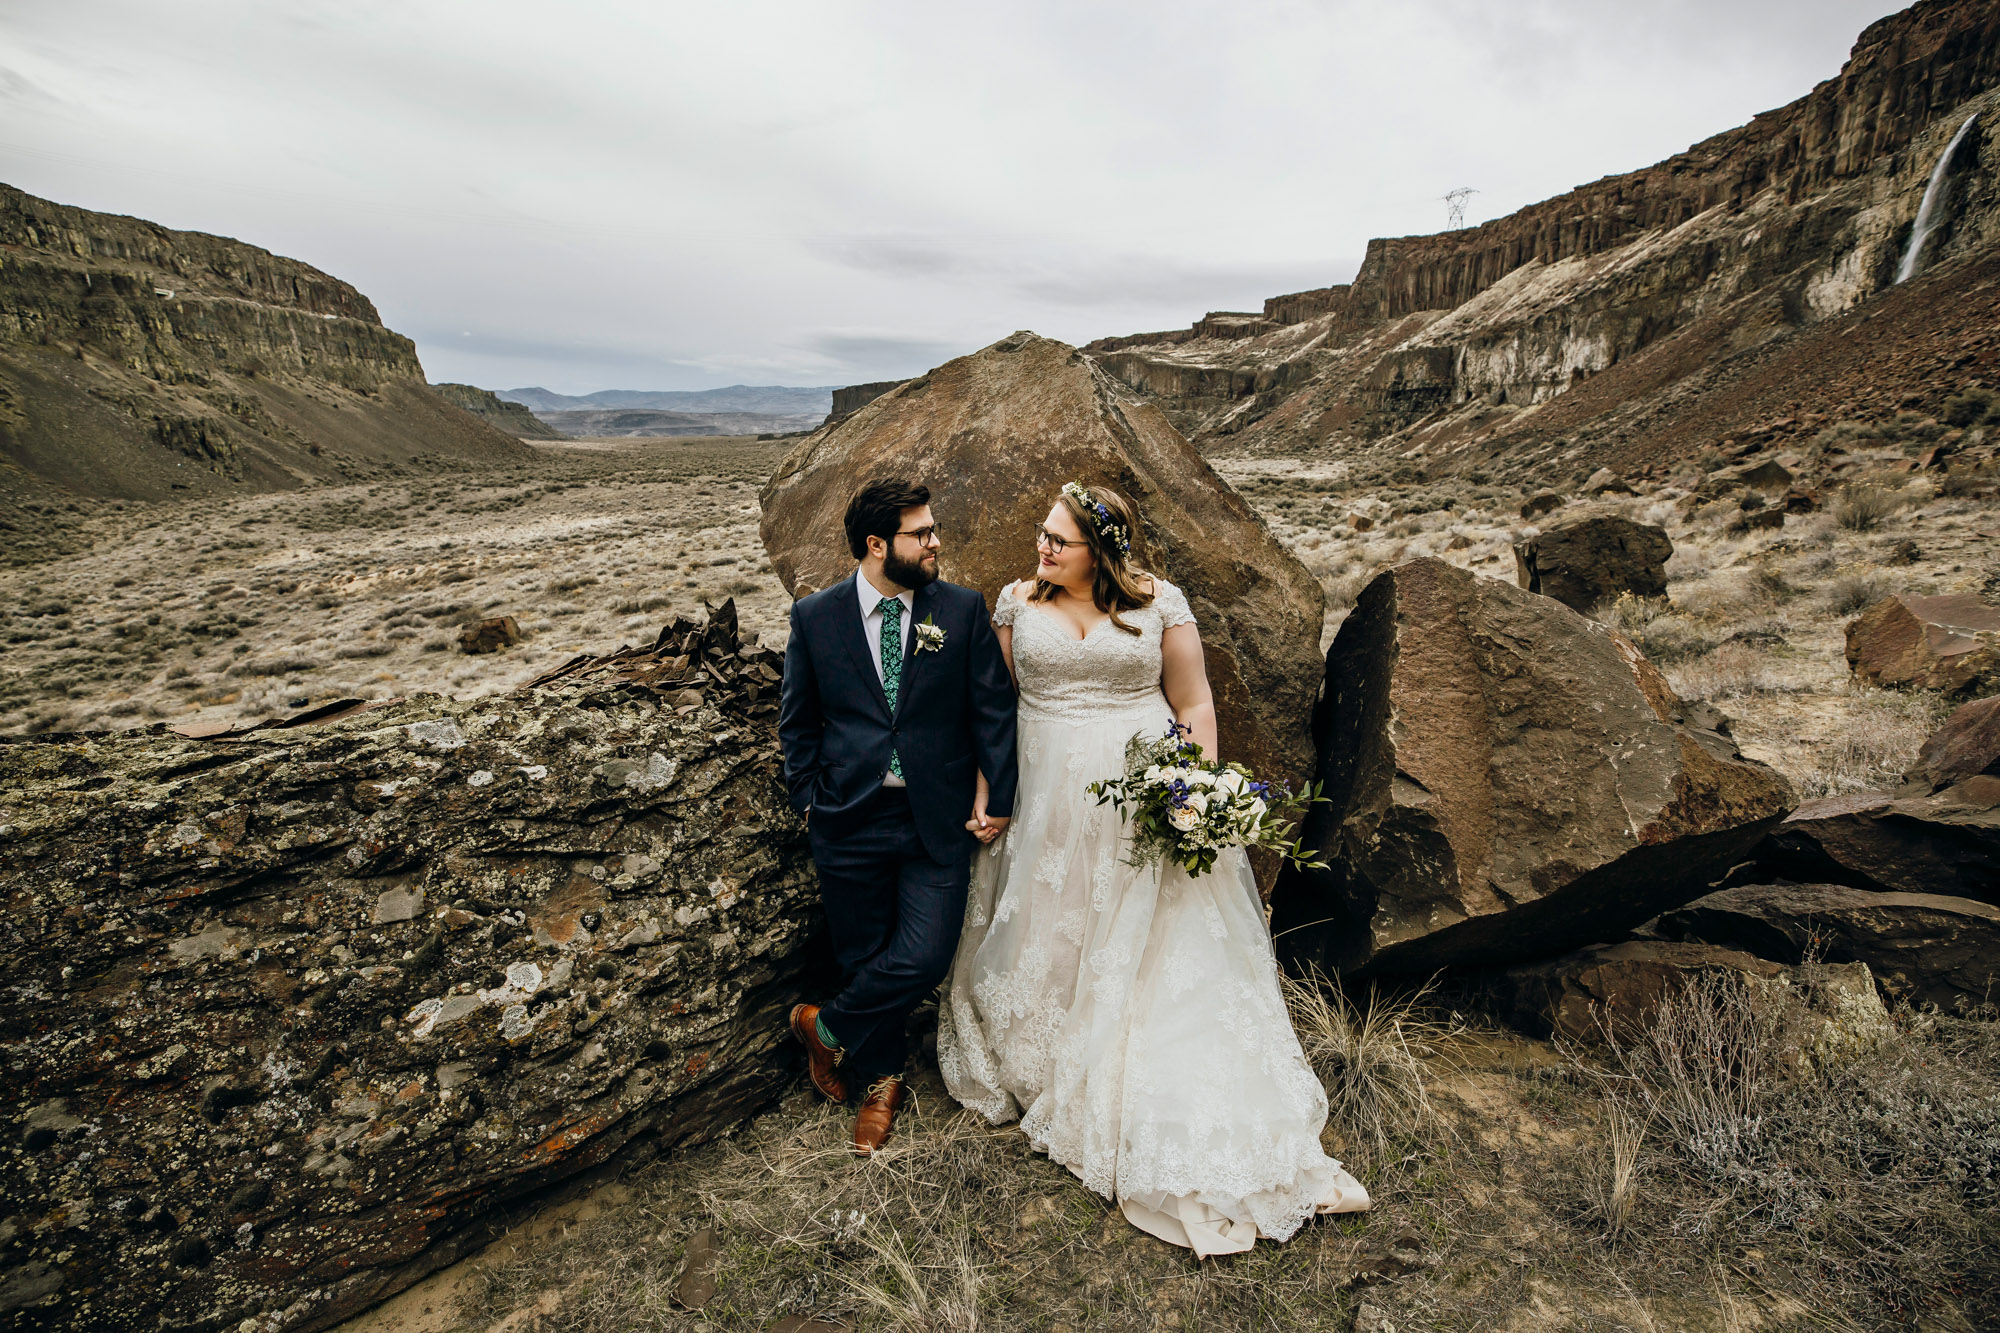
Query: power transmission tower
x=1454, y=200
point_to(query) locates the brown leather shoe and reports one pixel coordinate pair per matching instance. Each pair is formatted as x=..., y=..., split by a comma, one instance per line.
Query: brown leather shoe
x=878, y=1114
x=821, y=1059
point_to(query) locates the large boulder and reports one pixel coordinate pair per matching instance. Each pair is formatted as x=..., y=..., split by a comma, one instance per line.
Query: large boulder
x=1946, y=842
x=1582, y=561
x=1922, y=947
x=1506, y=780
x=298, y=1012
x=1949, y=643
x=995, y=435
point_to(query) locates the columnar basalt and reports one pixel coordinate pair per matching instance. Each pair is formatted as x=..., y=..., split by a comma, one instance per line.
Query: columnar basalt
x=296, y=1011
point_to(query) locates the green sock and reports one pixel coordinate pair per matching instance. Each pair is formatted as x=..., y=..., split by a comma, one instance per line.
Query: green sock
x=825, y=1037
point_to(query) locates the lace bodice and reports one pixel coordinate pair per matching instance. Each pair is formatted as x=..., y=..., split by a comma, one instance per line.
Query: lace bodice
x=1106, y=673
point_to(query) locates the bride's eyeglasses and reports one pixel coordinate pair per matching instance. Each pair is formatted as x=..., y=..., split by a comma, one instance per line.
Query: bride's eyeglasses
x=1057, y=545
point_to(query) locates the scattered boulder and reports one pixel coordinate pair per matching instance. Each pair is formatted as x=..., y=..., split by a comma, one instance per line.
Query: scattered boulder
x=1799, y=502
x=1768, y=475
x=489, y=636
x=1921, y=947
x=1606, y=482
x=1505, y=780
x=1966, y=746
x=994, y=435
x=1949, y=643
x=1946, y=842
x=1545, y=502
x=1582, y=561
x=314, y=1005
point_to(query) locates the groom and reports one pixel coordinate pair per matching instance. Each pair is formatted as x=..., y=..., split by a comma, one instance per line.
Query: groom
x=897, y=720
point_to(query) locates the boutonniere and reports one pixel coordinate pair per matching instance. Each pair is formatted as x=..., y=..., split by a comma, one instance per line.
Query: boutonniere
x=930, y=635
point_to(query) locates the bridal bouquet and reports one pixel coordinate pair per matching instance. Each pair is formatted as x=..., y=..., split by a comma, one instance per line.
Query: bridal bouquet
x=1190, y=809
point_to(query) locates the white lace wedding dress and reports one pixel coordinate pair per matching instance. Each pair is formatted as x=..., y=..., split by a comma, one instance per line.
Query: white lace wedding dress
x=1130, y=1018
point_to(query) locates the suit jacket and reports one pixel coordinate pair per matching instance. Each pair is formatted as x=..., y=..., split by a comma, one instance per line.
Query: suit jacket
x=954, y=714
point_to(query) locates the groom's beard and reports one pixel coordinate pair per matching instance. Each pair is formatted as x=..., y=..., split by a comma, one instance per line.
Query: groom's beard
x=910, y=573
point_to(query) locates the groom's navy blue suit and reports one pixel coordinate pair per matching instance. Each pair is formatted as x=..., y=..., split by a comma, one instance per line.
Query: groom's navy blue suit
x=894, y=862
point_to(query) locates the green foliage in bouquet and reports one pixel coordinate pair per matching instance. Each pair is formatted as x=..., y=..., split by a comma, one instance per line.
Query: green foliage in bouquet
x=1190, y=809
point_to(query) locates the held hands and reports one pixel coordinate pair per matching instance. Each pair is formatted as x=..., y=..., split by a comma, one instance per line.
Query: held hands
x=983, y=826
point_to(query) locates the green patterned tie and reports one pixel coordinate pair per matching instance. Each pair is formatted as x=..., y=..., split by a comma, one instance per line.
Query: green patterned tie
x=892, y=663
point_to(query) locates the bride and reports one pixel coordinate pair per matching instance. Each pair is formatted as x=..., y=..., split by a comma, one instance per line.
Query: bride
x=1131, y=1018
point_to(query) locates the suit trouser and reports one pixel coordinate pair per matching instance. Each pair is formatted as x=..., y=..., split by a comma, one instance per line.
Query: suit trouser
x=894, y=914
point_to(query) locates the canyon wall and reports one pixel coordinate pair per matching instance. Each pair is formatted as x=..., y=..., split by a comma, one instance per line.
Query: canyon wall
x=1796, y=218
x=137, y=361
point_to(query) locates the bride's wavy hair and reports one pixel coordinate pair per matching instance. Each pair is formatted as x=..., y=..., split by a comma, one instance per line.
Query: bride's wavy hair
x=1118, y=581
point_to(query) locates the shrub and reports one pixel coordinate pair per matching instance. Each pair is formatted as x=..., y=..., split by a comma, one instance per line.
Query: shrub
x=1849, y=594
x=1860, y=508
x=1968, y=408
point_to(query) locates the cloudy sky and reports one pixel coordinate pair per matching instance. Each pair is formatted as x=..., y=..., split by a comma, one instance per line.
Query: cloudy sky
x=646, y=195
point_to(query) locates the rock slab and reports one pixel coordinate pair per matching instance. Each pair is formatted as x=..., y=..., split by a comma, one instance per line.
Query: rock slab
x=1966, y=746
x=1923, y=948
x=298, y=1012
x=1949, y=643
x=994, y=435
x=1506, y=780
x=1946, y=842
x=1583, y=561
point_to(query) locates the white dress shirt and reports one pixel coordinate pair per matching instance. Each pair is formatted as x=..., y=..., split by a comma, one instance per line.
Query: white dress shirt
x=870, y=601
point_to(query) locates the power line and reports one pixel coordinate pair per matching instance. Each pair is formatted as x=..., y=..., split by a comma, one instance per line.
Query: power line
x=1454, y=201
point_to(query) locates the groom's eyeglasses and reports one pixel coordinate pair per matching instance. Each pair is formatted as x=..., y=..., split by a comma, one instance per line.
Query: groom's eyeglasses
x=1057, y=545
x=925, y=536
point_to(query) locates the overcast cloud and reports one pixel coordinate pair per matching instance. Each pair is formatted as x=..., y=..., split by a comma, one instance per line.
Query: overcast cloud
x=678, y=196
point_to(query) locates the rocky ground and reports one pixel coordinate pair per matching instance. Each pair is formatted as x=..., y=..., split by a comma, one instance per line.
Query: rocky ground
x=224, y=612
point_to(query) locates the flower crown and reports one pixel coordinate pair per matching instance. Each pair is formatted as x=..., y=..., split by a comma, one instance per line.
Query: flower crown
x=1109, y=528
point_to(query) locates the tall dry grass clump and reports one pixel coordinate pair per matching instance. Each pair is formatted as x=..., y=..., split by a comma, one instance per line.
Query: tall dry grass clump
x=1376, y=1059
x=1876, y=1162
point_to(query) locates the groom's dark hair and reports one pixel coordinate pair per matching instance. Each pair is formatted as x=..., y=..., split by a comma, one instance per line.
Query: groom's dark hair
x=877, y=511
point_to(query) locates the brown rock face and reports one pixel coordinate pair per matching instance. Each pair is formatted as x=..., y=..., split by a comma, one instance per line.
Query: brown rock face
x=300, y=1012
x=1949, y=643
x=995, y=435
x=1506, y=781
x=1585, y=560
x=1966, y=746
x=1946, y=843
x=1922, y=947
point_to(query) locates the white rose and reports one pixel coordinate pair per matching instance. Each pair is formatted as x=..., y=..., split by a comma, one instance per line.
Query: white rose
x=1257, y=807
x=1202, y=780
x=1182, y=817
x=1153, y=773
x=1197, y=803
x=1230, y=781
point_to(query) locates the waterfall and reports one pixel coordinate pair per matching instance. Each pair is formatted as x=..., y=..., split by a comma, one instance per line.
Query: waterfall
x=1933, y=197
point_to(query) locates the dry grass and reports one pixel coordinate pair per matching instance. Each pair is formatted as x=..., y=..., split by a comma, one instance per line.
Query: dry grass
x=1861, y=508
x=1875, y=741
x=1376, y=1059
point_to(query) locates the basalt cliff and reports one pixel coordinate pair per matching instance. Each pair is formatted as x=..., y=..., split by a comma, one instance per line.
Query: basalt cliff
x=1650, y=314
x=137, y=362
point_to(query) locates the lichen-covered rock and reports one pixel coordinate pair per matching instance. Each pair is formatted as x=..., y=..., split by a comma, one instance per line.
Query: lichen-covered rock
x=994, y=435
x=1506, y=780
x=294, y=1012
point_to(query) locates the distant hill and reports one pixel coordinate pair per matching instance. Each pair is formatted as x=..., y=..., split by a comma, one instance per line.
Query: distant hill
x=138, y=362
x=513, y=418
x=647, y=422
x=768, y=398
